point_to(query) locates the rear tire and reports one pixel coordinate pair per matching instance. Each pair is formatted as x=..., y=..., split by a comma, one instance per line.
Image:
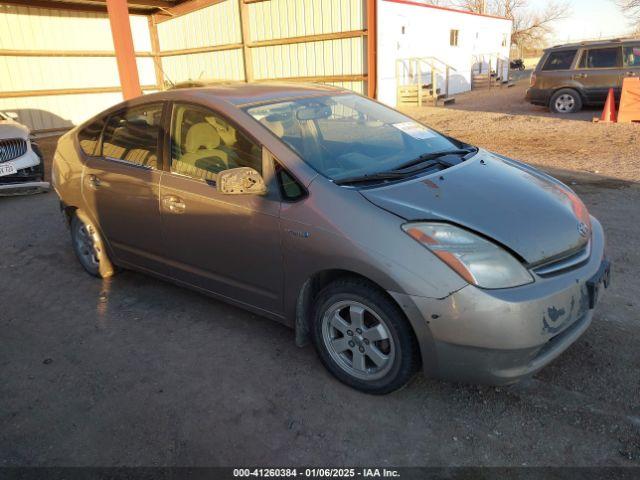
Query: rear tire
x=363, y=338
x=89, y=247
x=565, y=101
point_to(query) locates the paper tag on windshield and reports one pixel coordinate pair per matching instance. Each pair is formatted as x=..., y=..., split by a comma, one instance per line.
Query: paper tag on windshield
x=415, y=130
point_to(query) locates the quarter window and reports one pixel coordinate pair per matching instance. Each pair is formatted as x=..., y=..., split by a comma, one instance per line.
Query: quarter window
x=203, y=144
x=453, y=37
x=132, y=135
x=560, y=60
x=89, y=137
x=601, y=58
x=631, y=56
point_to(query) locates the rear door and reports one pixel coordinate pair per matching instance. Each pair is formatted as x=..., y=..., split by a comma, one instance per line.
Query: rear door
x=225, y=244
x=598, y=70
x=121, y=184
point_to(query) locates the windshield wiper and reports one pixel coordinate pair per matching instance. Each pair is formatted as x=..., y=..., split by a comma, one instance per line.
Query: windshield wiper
x=373, y=177
x=430, y=157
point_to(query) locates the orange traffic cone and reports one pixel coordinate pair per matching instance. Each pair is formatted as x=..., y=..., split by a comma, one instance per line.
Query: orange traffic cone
x=609, y=112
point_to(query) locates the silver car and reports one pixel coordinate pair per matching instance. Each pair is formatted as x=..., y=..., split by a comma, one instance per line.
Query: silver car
x=21, y=165
x=391, y=247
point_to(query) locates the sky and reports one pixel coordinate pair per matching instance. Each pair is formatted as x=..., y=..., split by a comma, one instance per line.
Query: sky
x=589, y=20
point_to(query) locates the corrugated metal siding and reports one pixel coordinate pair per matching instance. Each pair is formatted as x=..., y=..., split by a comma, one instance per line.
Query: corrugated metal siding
x=215, y=25
x=58, y=111
x=39, y=29
x=46, y=73
x=224, y=65
x=358, y=87
x=297, y=18
x=325, y=58
x=268, y=20
x=31, y=28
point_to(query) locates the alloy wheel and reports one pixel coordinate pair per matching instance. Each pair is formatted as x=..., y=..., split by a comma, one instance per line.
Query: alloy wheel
x=358, y=340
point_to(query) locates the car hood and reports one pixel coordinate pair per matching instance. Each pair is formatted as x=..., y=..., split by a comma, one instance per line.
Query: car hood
x=11, y=129
x=520, y=207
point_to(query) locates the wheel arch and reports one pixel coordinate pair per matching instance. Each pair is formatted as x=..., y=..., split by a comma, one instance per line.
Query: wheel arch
x=314, y=284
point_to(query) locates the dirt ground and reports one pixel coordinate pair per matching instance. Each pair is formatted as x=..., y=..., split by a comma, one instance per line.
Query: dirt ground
x=501, y=120
x=135, y=371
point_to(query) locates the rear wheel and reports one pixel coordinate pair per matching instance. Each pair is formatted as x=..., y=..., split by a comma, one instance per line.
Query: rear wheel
x=363, y=338
x=566, y=101
x=89, y=247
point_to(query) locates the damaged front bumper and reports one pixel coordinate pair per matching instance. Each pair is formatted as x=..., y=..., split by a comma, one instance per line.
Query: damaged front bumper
x=498, y=337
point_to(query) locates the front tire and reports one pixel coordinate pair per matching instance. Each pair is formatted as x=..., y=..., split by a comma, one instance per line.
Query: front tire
x=363, y=338
x=89, y=247
x=565, y=101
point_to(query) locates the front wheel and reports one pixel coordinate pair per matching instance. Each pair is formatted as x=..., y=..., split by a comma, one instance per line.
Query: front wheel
x=363, y=338
x=566, y=101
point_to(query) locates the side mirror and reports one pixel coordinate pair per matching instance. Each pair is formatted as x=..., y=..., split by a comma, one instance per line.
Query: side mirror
x=239, y=181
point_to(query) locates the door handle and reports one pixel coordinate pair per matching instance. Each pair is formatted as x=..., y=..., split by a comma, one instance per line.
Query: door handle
x=578, y=76
x=174, y=204
x=94, y=181
x=631, y=74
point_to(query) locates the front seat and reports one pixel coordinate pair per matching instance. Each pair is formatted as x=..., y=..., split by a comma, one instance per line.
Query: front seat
x=202, y=157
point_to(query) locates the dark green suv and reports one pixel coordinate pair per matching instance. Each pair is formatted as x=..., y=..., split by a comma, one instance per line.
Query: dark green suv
x=570, y=76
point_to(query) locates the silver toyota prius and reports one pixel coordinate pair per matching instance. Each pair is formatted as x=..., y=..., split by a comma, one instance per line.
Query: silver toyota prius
x=390, y=246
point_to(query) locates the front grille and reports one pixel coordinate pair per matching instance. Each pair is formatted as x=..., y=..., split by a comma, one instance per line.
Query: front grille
x=571, y=261
x=12, y=148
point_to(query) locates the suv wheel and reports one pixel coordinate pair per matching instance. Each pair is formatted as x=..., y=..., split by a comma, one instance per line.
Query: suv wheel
x=89, y=247
x=566, y=101
x=363, y=338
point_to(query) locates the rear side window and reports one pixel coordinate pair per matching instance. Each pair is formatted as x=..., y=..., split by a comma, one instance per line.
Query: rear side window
x=89, y=137
x=631, y=56
x=560, y=60
x=601, y=58
x=132, y=135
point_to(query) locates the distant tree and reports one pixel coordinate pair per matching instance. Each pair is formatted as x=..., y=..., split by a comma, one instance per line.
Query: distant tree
x=632, y=9
x=530, y=27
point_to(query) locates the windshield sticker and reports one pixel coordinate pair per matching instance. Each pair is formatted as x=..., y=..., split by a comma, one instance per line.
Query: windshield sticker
x=415, y=130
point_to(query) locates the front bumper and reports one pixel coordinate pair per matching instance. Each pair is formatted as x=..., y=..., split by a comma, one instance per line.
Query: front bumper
x=28, y=179
x=498, y=337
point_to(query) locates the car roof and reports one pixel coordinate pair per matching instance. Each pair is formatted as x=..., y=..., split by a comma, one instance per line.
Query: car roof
x=242, y=93
x=595, y=43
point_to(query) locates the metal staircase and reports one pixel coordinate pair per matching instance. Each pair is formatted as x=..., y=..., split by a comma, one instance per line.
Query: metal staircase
x=417, y=81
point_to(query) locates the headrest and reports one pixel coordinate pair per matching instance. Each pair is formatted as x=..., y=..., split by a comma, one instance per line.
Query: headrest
x=202, y=135
x=275, y=126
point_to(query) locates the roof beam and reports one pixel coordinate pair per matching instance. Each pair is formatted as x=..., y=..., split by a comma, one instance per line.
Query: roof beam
x=135, y=7
x=182, y=8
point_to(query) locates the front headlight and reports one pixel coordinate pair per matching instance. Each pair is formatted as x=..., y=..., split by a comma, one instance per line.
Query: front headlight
x=479, y=261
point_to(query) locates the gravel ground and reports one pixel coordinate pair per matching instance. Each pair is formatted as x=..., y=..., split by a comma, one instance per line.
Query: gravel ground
x=135, y=371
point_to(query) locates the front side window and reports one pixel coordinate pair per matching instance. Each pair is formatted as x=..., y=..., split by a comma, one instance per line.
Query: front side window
x=203, y=144
x=346, y=135
x=601, y=58
x=89, y=137
x=560, y=60
x=631, y=55
x=453, y=37
x=133, y=135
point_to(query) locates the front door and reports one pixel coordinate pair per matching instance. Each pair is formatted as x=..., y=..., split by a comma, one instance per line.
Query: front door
x=225, y=244
x=599, y=70
x=121, y=184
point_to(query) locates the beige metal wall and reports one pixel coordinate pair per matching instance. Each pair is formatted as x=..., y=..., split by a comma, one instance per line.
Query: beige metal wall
x=316, y=40
x=58, y=52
